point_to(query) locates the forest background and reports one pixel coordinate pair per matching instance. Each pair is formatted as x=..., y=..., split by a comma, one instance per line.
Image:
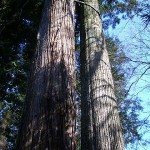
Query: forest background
x=19, y=21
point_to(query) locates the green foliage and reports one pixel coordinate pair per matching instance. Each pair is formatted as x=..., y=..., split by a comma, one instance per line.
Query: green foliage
x=114, y=10
x=19, y=21
x=144, y=13
x=129, y=108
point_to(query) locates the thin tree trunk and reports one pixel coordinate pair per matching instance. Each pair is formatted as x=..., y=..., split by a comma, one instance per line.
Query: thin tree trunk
x=100, y=125
x=49, y=117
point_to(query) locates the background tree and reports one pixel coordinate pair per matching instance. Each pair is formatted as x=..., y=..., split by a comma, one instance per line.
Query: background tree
x=18, y=27
x=129, y=108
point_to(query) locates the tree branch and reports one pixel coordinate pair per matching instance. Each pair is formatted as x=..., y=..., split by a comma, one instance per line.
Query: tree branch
x=87, y=5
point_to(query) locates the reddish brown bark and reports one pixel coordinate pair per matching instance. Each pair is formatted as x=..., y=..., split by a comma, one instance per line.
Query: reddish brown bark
x=49, y=116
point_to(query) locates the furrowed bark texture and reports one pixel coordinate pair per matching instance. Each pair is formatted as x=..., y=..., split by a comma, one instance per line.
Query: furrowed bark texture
x=100, y=125
x=49, y=118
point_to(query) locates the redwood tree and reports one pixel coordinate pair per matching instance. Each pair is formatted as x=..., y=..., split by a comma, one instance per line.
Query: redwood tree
x=100, y=124
x=49, y=114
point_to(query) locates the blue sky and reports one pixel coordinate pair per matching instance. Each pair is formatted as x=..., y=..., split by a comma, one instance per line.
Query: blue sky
x=135, y=41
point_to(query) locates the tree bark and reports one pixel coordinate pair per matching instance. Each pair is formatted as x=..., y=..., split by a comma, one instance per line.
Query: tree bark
x=100, y=124
x=49, y=117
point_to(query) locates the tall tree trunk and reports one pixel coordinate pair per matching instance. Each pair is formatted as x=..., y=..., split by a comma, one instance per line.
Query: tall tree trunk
x=100, y=125
x=49, y=117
